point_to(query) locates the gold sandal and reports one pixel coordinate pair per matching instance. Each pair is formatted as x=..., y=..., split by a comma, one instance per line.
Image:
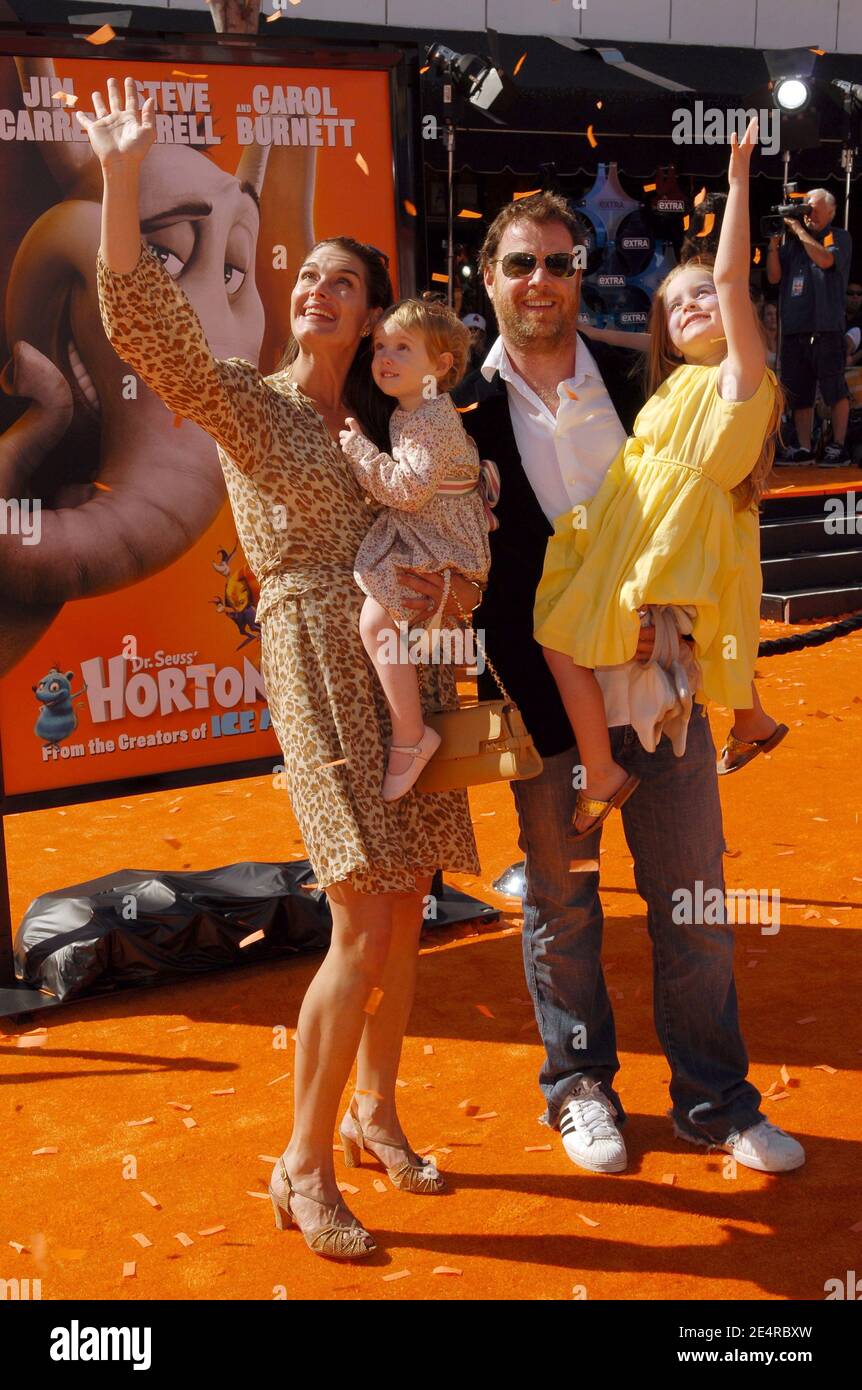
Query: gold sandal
x=333, y=1241
x=407, y=1176
x=737, y=752
x=592, y=806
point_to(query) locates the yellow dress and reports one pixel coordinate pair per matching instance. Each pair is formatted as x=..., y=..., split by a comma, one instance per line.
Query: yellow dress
x=663, y=528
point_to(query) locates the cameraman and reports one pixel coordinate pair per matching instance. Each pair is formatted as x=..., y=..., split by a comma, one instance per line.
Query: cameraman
x=813, y=267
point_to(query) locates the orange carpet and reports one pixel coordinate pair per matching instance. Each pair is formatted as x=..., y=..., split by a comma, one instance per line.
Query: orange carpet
x=521, y=1222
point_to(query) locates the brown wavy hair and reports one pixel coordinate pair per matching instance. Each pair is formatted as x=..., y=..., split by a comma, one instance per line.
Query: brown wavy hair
x=662, y=359
x=441, y=329
x=366, y=402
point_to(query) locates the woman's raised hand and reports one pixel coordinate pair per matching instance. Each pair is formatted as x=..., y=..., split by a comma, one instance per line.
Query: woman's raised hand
x=741, y=151
x=120, y=134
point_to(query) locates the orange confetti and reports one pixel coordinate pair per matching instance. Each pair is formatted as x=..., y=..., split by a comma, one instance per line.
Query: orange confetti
x=150, y=1120
x=399, y=1082
x=183, y=1028
x=428, y=1049
x=591, y=137
x=373, y=1002
x=463, y=409
x=537, y=1148
x=248, y=940
x=399, y=1274
x=649, y=188
x=822, y=1066
x=267, y=1158
x=143, y=1241
x=587, y=1220
x=488, y=1115
x=484, y=1010
x=212, y=1230
x=757, y=255
x=441, y=279
x=379, y=1185
x=584, y=866
x=31, y=1042
x=410, y=208
x=276, y=14
x=818, y=51
x=467, y=213
x=668, y=1178
x=178, y=1105
x=685, y=222
x=264, y=1195
x=445, y=1269
x=129, y=1269
x=375, y=1094
x=362, y=162
x=189, y=1122
x=708, y=224
x=699, y=197
x=427, y=68
x=172, y=841
x=68, y=97
x=37, y=1152
x=828, y=240
x=103, y=35
x=348, y=1188
x=21, y=1249
x=518, y=65
x=226, y=1091
x=338, y=762
x=152, y=1201
x=195, y=76
x=183, y=1238
x=599, y=105
x=785, y=1075
x=572, y=395
x=530, y=193
x=779, y=1095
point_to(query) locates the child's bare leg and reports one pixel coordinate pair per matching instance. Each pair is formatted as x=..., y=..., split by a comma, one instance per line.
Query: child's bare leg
x=399, y=679
x=752, y=725
x=582, y=696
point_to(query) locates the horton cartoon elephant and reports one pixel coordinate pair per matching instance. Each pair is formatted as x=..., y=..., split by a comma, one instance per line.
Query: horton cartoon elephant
x=125, y=489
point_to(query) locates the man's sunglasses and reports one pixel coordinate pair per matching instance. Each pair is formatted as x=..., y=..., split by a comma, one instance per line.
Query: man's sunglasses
x=517, y=265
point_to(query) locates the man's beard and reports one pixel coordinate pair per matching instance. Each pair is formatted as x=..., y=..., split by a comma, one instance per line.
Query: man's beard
x=526, y=331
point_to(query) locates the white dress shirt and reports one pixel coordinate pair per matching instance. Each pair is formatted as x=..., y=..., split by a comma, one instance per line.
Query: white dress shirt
x=565, y=456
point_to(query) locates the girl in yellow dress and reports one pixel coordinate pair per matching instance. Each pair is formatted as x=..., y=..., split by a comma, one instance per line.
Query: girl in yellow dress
x=675, y=521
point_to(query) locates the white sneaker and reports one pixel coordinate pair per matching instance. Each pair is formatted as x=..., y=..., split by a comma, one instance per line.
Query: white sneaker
x=590, y=1137
x=766, y=1148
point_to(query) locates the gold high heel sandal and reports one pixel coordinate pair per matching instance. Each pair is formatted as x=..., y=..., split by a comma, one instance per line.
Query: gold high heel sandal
x=407, y=1176
x=334, y=1241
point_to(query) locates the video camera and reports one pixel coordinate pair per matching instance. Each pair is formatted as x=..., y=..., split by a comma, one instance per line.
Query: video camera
x=773, y=223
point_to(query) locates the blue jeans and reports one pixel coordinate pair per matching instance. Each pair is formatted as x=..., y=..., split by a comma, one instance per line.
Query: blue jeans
x=673, y=828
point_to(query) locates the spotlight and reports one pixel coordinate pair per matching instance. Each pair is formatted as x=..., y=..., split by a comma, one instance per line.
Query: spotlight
x=791, y=94
x=484, y=85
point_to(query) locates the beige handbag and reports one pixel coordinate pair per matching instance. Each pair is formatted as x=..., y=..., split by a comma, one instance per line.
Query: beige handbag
x=482, y=742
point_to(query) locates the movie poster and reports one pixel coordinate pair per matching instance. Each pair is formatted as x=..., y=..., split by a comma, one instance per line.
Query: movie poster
x=128, y=637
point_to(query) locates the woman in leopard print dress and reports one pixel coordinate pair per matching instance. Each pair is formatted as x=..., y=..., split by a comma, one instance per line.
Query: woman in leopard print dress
x=300, y=518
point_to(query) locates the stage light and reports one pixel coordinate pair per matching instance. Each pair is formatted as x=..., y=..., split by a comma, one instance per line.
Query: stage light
x=791, y=94
x=484, y=85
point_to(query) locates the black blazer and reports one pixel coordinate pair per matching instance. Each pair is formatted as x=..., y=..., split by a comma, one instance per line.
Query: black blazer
x=505, y=615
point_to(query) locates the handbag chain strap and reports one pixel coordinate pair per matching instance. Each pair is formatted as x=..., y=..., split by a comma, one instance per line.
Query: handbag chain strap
x=467, y=620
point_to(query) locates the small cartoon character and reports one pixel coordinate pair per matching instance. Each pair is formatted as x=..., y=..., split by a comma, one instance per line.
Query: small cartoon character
x=243, y=617
x=57, y=719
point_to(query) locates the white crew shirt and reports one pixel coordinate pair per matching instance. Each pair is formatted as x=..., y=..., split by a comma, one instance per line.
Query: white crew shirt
x=565, y=456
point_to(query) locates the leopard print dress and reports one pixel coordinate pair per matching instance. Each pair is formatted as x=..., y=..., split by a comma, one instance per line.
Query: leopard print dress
x=300, y=518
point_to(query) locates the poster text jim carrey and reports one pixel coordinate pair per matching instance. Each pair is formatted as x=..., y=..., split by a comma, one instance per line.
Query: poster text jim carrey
x=128, y=640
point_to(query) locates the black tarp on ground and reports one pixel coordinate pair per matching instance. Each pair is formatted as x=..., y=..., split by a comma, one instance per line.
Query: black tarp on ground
x=81, y=940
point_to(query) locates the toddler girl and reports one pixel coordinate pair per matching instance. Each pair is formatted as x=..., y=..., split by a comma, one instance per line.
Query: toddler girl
x=436, y=515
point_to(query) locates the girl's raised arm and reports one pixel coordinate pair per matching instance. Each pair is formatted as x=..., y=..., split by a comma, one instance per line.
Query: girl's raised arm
x=741, y=372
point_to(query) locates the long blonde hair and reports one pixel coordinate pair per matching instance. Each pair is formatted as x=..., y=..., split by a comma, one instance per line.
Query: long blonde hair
x=662, y=359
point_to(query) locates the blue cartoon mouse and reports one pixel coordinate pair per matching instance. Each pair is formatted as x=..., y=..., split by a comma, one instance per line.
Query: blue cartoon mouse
x=57, y=718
